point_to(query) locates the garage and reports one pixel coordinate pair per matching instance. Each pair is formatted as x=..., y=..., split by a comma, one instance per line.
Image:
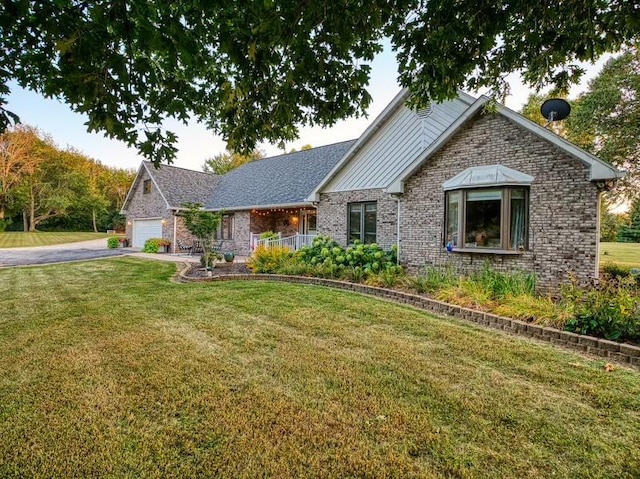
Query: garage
x=145, y=229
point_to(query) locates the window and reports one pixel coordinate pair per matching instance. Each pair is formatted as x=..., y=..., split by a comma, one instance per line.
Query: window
x=489, y=218
x=146, y=187
x=225, y=228
x=362, y=222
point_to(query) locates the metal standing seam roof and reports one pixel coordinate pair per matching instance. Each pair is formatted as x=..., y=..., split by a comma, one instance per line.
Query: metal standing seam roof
x=277, y=180
x=180, y=185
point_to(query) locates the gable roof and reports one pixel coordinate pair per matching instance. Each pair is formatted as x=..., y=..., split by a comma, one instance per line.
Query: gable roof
x=394, y=139
x=364, y=166
x=599, y=169
x=276, y=181
x=176, y=185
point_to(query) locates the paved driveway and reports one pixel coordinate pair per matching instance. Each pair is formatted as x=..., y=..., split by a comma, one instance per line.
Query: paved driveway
x=61, y=253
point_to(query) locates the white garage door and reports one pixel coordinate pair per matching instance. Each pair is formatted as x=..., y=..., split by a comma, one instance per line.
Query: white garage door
x=145, y=229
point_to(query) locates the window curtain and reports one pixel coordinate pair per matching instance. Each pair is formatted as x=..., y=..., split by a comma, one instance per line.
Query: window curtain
x=518, y=220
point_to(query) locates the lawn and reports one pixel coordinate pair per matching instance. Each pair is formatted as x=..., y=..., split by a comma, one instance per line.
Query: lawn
x=108, y=369
x=627, y=254
x=18, y=239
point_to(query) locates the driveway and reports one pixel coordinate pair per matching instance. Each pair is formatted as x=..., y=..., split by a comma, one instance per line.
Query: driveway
x=61, y=253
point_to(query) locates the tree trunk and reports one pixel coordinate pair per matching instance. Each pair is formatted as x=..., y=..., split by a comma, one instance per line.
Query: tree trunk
x=25, y=221
x=32, y=213
x=93, y=219
x=1, y=214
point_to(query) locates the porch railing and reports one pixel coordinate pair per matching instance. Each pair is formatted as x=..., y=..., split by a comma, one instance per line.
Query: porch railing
x=294, y=243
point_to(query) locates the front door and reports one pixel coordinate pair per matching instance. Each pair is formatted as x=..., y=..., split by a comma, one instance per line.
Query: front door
x=308, y=223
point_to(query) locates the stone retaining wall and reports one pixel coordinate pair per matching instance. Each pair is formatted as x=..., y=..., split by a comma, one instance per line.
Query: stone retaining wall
x=624, y=354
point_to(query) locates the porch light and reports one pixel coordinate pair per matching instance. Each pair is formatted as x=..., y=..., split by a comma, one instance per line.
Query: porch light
x=294, y=219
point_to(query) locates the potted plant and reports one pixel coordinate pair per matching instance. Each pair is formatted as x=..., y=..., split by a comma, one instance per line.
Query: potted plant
x=156, y=245
x=163, y=245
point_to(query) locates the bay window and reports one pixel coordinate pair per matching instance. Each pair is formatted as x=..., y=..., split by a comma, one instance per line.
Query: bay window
x=487, y=218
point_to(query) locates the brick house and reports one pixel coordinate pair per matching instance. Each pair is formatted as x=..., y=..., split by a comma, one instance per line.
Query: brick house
x=265, y=195
x=456, y=186
x=451, y=185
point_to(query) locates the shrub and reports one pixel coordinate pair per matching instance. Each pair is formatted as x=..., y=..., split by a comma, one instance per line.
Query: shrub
x=432, y=279
x=609, y=310
x=113, y=242
x=208, y=260
x=338, y=262
x=388, y=278
x=268, y=235
x=269, y=260
x=152, y=244
x=614, y=270
x=501, y=285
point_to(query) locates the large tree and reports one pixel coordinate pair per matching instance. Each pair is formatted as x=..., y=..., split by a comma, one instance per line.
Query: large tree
x=605, y=119
x=228, y=160
x=19, y=154
x=256, y=70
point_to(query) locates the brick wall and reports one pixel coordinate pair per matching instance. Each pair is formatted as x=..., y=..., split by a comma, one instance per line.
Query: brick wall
x=332, y=215
x=563, y=207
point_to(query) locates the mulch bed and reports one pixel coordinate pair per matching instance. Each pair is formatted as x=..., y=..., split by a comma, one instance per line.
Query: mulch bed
x=220, y=269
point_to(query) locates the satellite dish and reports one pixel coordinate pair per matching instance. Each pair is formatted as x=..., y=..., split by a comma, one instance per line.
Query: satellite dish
x=555, y=109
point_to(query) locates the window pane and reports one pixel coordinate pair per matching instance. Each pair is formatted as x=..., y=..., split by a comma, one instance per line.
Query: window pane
x=370, y=210
x=484, y=195
x=518, y=226
x=453, y=214
x=482, y=222
x=355, y=215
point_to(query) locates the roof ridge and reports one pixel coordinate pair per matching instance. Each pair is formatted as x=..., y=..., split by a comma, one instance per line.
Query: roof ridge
x=164, y=165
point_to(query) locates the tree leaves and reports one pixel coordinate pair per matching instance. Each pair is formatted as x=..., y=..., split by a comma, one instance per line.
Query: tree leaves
x=259, y=70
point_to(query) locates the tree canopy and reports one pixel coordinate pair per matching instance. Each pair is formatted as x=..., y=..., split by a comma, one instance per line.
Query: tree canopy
x=228, y=160
x=605, y=119
x=257, y=70
x=45, y=186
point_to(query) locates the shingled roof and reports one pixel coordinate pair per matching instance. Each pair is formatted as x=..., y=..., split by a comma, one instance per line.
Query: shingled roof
x=276, y=181
x=179, y=185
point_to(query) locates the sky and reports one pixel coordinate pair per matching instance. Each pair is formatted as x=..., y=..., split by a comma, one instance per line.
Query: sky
x=196, y=143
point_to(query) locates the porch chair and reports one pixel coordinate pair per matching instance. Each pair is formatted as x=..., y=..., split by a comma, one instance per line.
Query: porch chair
x=184, y=247
x=217, y=246
x=197, y=248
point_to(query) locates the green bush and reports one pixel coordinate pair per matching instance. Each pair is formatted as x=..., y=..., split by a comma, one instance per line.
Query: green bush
x=268, y=235
x=269, y=260
x=609, y=310
x=113, y=242
x=209, y=259
x=333, y=261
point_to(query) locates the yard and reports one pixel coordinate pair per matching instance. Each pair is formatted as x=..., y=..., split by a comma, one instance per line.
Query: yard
x=109, y=369
x=17, y=239
x=626, y=254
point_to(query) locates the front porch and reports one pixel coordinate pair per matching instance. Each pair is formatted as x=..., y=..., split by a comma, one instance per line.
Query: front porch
x=295, y=227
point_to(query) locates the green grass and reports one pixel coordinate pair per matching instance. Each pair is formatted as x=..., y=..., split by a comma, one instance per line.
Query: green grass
x=20, y=239
x=626, y=254
x=108, y=369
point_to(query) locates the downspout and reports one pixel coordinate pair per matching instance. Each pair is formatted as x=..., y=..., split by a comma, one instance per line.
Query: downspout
x=175, y=229
x=397, y=197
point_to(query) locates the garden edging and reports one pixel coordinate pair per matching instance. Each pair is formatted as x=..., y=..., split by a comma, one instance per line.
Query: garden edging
x=625, y=354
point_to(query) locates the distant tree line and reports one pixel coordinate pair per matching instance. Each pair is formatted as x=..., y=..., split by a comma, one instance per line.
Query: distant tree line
x=44, y=187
